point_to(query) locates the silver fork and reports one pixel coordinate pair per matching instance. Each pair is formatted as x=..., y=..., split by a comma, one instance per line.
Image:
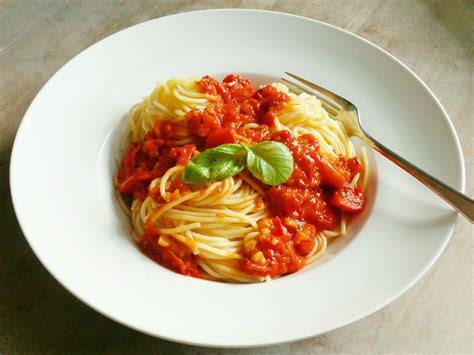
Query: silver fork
x=346, y=113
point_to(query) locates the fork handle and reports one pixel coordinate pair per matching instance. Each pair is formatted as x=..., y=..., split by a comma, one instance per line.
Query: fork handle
x=462, y=203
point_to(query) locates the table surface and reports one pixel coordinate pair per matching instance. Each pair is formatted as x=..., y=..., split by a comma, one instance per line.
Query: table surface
x=435, y=38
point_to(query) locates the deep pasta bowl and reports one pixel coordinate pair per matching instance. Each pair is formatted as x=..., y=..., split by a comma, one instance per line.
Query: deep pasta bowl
x=63, y=164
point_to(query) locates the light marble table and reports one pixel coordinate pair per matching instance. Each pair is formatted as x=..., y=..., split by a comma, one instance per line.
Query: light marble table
x=433, y=37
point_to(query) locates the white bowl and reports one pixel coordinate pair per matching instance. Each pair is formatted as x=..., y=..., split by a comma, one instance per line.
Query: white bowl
x=63, y=162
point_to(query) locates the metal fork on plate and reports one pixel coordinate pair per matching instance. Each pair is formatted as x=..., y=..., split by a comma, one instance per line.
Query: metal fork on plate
x=346, y=113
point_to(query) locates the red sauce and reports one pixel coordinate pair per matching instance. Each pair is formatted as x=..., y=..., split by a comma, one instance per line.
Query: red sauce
x=149, y=159
x=175, y=257
x=312, y=199
x=222, y=122
x=280, y=247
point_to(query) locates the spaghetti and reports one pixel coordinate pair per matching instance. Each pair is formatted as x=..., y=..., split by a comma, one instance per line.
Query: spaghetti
x=237, y=229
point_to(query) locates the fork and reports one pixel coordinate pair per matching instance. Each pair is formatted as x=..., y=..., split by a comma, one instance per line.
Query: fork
x=347, y=114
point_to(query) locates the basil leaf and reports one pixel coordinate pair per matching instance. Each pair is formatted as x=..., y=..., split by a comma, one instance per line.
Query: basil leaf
x=270, y=162
x=215, y=164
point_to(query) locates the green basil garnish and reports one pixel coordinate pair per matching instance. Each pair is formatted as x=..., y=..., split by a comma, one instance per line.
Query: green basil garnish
x=215, y=164
x=270, y=162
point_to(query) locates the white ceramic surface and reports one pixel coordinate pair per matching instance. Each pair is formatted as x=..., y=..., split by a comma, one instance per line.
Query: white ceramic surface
x=62, y=165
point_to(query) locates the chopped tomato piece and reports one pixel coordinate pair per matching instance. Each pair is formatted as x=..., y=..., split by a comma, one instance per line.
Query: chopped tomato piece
x=269, y=101
x=221, y=136
x=174, y=257
x=348, y=199
x=201, y=123
x=131, y=183
x=354, y=166
x=287, y=198
x=329, y=174
x=127, y=167
x=165, y=129
x=278, y=227
x=318, y=212
x=303, y=243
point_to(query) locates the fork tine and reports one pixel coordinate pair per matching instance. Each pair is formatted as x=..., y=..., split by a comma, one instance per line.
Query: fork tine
x=294, y=87
x=328, y=96
x=331, y=107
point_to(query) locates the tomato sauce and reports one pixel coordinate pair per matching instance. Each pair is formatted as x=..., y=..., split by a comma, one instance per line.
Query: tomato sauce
x=175, y=257
x=311, y=201
x=149, y=159
x=223, y=121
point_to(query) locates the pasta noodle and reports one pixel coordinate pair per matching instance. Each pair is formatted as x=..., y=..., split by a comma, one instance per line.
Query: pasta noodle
x=170, y=101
